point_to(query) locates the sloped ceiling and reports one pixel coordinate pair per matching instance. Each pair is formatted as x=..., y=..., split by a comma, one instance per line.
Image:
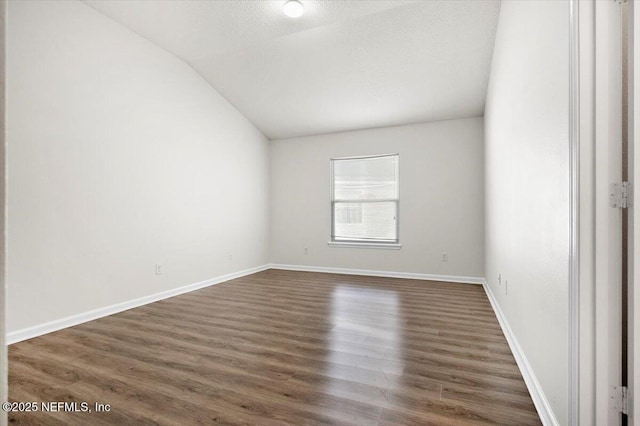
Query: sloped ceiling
x=344, y=65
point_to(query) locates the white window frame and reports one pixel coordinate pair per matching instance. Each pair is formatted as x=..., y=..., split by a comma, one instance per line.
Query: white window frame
x=387, y=244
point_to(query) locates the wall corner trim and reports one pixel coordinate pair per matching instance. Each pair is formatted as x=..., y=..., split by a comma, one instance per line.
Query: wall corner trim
x=540, y=400
x=373, y=273
x=59, y=324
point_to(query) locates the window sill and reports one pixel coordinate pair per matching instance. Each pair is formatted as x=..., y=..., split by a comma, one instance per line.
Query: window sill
x=389, y=246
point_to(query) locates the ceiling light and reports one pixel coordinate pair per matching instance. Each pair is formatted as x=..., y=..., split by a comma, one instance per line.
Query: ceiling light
x=293, y=9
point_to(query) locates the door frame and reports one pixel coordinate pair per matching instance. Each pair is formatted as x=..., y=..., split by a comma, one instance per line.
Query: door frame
x=574, y=212
x=634, y=272
x=595, y=330
x=596, y=228
x=608, y=221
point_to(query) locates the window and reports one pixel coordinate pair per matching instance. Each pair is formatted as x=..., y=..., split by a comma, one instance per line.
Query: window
x=364, y=199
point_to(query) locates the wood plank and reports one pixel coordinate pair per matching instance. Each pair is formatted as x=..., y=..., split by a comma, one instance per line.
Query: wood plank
x=284, y=347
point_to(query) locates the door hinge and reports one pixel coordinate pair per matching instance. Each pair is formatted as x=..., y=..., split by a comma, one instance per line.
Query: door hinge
x=620, y=195
x=620, y=399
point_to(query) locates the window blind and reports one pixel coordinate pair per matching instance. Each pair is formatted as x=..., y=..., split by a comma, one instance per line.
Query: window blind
x=365, y=199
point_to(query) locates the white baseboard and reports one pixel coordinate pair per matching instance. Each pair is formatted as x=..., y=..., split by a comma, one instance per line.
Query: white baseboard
x=372, y=273
x=49, y=327
x=540, y=401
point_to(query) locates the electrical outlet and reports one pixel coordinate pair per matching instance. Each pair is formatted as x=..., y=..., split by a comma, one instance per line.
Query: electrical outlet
x=230, y=256
x=159, y=269
x=306, y=250
x=444, y=257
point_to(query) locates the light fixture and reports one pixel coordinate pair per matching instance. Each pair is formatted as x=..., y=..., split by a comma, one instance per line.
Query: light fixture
x=293, y=9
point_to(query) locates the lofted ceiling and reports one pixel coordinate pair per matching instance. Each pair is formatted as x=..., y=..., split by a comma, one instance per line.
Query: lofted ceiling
x=344, y=65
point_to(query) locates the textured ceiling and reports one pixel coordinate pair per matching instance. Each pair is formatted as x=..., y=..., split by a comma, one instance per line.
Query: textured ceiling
x=343, y=65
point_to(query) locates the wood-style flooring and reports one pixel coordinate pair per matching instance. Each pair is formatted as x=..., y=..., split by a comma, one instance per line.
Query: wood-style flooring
x=281, y=347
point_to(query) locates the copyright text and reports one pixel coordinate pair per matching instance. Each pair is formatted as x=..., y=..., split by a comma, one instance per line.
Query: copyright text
x=55, y=406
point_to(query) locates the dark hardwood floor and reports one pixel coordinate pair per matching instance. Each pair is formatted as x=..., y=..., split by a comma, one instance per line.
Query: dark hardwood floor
x=283, y=347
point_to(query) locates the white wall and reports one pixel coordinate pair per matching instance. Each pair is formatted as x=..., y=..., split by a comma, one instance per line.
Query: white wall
x=120, y=156
x=441, y=198
x=527, y=206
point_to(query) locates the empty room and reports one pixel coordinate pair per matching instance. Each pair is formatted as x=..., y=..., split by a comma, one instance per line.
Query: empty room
x=311, y=212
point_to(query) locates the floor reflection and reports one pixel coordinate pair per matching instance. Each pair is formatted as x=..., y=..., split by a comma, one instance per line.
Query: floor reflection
x=367, y=335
